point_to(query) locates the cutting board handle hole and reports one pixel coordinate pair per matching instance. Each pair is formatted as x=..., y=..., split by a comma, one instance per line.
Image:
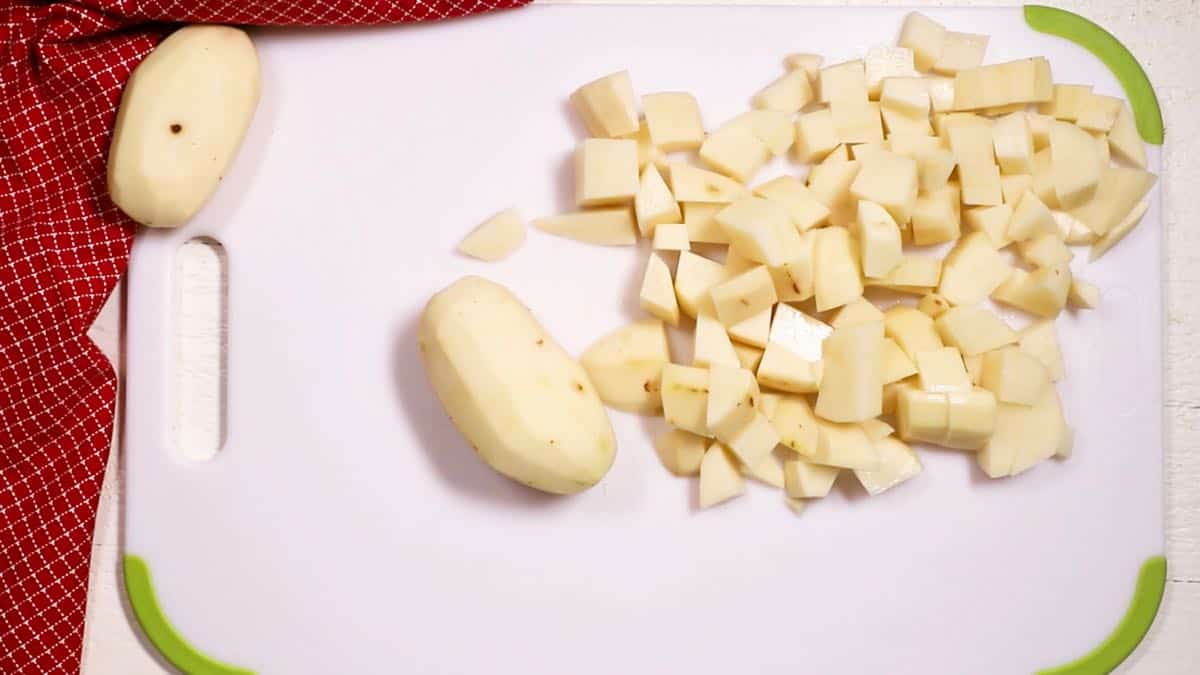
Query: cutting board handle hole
x=200, y=346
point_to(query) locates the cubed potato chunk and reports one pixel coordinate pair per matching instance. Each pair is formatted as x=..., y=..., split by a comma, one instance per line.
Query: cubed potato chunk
x=896, y=123
x=915, y=274
x=906, y=95
x=859, y=311
x=626, y=366
x=1042, y=178
x=846, y=446
x=830, y=184
x=896, y=364
x=973, y=330
x=761, y=230
x=1075, y=164
x=816, y=136
x=942, y=370
x=792, y=360
x=744, y=296
x=685, y=398
x=890, y=181
x=673, y=119
x=994, y=221
x=1014, y=82
x=805, y=480
x=734, y=151
x=711, y=344
x=1083, y=295
x=805, y=210
x=971, y=419
x=795, y=423
x=897, y=463
x=654, y=204
x=681, y=452
x=912, y=329
x=1014, y=376
x=768, y=472
x=732, y=397
x=1045, y=250
x=690, y=184
x=856, y=121
x=775, y=129
x=852, y=386
x=754, y=442
x=1124, y=141
x=1099, y=113
x=1013, y=187
x=529, y=409
x=972, y=270
x=607, y=106
x=788, y=94
x=657, y=295
x=960, y=51
x=1117, y=193
x=702, y=225
x=1067, y=101
x=883, y=62
x=936, y=218
x=1042, y=292
x=752, y=330
x=837, y=278
x=843, y=82
x=720, y=479
x=971, y=142
x=921, y=416
x=694, y=278
x=925, y=37
x=606, y=171
x=1024, y=436
x=671, y=237
x=1030, y=218
x=1013, y=143
x=1040, y=341
x=496, y=238
x=606, y=227
x=748, y=355
x=879, y=239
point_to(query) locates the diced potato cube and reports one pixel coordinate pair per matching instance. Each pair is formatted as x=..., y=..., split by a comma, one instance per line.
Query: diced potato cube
x=805, y=480
x=1067, y=101
x=879, y=238
x=896, y=364
x=809, y=63
x=748, y=355
x=942, y=370
x=972, y=270
x=734, y=151
x=970, y=419
x=805, y=210
x=914, y=272
x=897, y=463
x=856, y=121
x=673, y=118
x=898, y=123
x=792, y=361
x=934, y=169
x=846, y=446
x=685, y=398
x=606, y=171
x=925, y=37
x=816, y=136
x=1030, y=218
x=843, y=82
x=720, y=479
x=1083, y=295
x=992, y=221
x=890, y=181
x=732, y=397
x=607, y=106
x=1098, y=113
x=960, y=51
x=1042, y=292
x=760, y=229
x=681, y=452
x=934, y=305
x=1024, y=436
x=744, y=295
x=694, y=278
x=936, y=216
x=837, y=279
x=1072, y=230
x=859, y=311
x=921, y=416
x=907, y=95
x=883, y=62
x=1118, y=232
x=752, y=443
x=775, y=129
x=647, y=152
x=626, y=366
x=876, y=429
x=1075, y=164
x=1118, y=191
x=795, y=423
x=690, y=184
x=495, y=238
x=788, y=94
x=1014, y=187
x=1013, y=143
x=1040, y=341
x=657, y=295
x=607, y=227
x=794, y=279
x=768, y=472
x=852, y=386
x=1002, y=84
x=711, y=345
x=863, y=151
x=1045, y=250
x=1014, y=376
x=653, y=203
x=1124, y=140
x=753, y=330
x=971, y=142
x=701, y=221
x=671, y=237
x=912, y=329
x=941, y=93
x=973, y=330
x=830, y=184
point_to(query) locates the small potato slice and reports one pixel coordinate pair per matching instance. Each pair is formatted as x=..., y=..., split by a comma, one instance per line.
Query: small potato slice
x=496, y=238
x=720, y=479
x=626, y=366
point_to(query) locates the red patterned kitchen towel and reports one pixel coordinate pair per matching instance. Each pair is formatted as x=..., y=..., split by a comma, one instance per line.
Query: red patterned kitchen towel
x=63, y=245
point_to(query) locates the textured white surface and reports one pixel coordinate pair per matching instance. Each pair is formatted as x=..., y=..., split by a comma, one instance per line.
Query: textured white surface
x=1159, y=34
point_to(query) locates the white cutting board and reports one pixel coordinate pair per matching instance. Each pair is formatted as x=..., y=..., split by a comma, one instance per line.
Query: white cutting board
x=346, y=528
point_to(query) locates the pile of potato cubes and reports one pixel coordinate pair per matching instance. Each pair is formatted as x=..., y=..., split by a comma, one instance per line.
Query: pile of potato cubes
x=796, y=376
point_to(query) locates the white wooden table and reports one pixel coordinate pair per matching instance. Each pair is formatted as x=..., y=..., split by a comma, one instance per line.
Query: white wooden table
x=1162, y=34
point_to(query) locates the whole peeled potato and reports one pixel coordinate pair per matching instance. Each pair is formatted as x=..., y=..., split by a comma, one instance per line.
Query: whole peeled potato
x=183, y=114
x=526, y=407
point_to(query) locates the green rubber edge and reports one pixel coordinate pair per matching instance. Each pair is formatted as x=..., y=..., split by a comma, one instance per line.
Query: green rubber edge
x=1108, y=49
x=1129, y=633
x=159, y=630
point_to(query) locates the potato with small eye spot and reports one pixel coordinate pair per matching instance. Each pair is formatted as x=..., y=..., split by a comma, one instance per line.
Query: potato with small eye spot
x=529, y=410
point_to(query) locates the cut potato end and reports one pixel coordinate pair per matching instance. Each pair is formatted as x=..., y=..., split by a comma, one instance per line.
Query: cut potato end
x=496, y=238
x=720, y=479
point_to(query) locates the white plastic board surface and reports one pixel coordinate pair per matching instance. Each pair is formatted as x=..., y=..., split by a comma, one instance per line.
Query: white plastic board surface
x=372, y=153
